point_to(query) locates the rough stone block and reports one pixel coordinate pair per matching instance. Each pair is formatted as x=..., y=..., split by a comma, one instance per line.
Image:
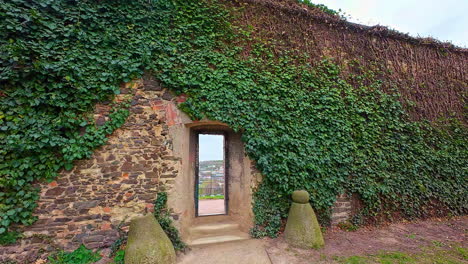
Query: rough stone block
x=147, y=243
x=55, y=191
x=85, y=204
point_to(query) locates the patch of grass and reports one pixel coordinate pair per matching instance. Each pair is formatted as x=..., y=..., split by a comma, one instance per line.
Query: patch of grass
x=411, y=236
x=355, y=260
x=463, y=252
x=81, y=255
x=394, y=258
x=9, y=238
x=433, y=255
x=348, y=226
x=211, y=197
x=119, y=257
x=438, y=243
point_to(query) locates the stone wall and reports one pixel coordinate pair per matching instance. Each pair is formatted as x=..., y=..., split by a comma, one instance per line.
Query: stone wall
x=120, y=181
x=341, y=210
x=149, y=153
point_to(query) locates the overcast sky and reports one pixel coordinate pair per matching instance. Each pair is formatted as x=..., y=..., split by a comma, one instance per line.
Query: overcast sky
x=444, y=20
x=210, y=147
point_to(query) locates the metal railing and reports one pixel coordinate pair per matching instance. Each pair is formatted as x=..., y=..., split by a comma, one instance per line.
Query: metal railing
x=210, y=191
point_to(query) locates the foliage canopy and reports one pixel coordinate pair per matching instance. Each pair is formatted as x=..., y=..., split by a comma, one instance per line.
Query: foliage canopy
x=306, y=126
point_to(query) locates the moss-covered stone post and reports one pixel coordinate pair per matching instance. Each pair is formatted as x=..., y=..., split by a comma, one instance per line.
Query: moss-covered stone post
x=302, y=228
x=147, y=243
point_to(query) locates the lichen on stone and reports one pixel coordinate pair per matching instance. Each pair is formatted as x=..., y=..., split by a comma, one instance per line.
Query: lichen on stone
x=147, y=243
x=302, y=228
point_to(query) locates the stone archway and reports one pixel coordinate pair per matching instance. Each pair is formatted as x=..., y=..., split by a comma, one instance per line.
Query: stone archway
x=240, y=181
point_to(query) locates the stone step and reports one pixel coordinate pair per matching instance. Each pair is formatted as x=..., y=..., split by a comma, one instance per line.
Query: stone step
x=250, y=251
x=213, y=229
x=219, y=239
x=212, y=219
x=215, y=232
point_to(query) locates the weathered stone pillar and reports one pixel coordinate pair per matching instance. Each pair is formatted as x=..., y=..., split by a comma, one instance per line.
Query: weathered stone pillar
x=302, y=228
x=147, y=243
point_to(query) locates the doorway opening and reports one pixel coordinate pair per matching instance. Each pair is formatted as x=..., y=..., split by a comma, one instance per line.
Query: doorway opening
x=211, y=194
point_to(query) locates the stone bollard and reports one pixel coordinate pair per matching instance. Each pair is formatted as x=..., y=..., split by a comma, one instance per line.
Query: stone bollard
x=147, y=243
x=302, y=228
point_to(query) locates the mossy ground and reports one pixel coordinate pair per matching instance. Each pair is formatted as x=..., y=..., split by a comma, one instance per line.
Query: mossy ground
x=434, y=255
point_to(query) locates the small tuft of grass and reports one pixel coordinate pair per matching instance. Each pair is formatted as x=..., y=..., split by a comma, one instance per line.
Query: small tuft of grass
x=438, y=243
x=211, y=197
x=81, y=255
x=395, y=258
x=347, y=226
x=355, y=260
x=9, y=238
x=119, y=257
x=462, y=252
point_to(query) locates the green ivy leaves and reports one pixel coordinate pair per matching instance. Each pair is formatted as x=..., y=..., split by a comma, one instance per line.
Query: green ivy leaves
x=307, y=127
x=162, y=214
x=313, y=128
x=55, y=65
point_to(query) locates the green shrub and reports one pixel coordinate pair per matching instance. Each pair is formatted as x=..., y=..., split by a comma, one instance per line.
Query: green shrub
x=119, y=257
x=9, y=238
x=81, y=255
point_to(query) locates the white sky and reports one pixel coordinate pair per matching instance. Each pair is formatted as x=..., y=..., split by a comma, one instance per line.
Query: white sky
x=444, y=20
x=210, y=147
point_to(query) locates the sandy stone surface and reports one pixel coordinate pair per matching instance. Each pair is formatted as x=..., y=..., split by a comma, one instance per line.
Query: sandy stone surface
x=250, y=251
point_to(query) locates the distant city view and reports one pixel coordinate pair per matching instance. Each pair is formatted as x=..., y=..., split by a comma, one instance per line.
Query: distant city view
x=211, y=175
x=211, y=179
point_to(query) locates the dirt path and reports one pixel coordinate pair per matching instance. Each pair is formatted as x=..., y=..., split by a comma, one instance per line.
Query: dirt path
x=429, y=241
x=403, y=237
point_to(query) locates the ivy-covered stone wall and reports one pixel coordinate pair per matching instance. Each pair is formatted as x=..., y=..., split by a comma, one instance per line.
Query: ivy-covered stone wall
x=430, y=75
x=322, y=104
x=120, y=181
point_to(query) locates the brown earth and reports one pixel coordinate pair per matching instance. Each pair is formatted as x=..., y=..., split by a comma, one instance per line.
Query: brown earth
x=409, y=237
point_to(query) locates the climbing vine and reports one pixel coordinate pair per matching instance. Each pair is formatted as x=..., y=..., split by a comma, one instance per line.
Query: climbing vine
x=307, y=126
x=163, y=215
x=57, y=60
